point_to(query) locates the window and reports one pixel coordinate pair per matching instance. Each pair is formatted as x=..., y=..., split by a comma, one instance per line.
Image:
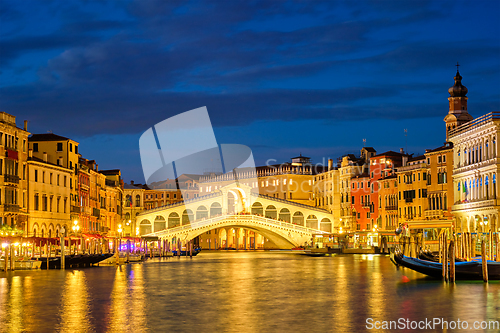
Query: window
x=36, y=175
x=59, y=146
x=50, y=178
x=50, y=206
x=175, y=195
x=428, y=160
x=36, y=201
x=76, y=149
x=70, y=147
x=35, y=147
x=439, y=159
x=65, y=204
x=444, y=158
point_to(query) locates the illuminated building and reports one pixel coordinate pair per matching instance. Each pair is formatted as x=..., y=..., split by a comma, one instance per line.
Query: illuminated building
x=476, y=163
x=350, y=167
x=412, y=188
x=111, y=202
x=327, y=191
x=439, y=183
x=292, y=181
x=13, y=184
x=63, y=152
x=48, y=195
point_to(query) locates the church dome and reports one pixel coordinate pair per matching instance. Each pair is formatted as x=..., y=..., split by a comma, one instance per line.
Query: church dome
x=458, y=89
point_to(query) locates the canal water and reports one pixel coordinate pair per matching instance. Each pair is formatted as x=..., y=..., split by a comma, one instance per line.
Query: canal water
x=237, y=292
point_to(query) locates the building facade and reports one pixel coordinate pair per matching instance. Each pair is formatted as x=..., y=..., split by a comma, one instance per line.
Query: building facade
x=13, y=173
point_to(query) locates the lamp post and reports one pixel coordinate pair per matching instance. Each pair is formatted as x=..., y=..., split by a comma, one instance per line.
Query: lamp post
x=120, y=230
x=75, y=228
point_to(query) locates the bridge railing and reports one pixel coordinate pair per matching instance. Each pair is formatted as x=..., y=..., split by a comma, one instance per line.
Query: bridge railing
x=261, y=219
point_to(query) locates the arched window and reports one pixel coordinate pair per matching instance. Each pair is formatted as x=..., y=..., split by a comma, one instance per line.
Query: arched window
x=138, y=200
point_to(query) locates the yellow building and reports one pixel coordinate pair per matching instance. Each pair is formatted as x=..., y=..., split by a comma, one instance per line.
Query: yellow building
x=48, y=199
x=13, y=164
x=112, y=203
x=439, y=183
x=63, y=152
x=388, y=203
x=133, y=206
x=292, y=181
x=412, y=189
x=327, y=192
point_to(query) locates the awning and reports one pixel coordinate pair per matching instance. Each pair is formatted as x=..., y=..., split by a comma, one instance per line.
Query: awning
x=91, y=235
x=430, y=224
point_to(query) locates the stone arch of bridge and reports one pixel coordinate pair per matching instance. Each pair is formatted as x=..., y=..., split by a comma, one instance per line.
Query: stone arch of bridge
x=283, y=238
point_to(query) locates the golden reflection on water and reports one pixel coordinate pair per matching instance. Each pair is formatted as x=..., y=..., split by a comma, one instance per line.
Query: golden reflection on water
x=342, y=294
x=128, y=301
x=241, y=293
x=74, y=311
x=376, y=301
x=15, y=306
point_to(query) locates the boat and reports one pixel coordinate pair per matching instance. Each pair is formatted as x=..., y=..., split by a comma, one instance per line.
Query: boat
x=21, y=263
x=427, y=255
x=466, y=270
x=132, y=257
x=185, y=253
x=74, y=260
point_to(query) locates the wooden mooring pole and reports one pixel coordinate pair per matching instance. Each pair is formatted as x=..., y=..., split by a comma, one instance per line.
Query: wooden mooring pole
x=484, y=262
x=452, y=261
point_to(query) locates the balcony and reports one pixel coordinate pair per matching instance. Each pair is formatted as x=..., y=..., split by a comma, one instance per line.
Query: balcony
x=437, y=213
x=10, y=208
x=96, y=212
x=75, y=209
x=487, y=203
x=393, y=207
x=409, y=200
x=366, y=204
x=11, y=179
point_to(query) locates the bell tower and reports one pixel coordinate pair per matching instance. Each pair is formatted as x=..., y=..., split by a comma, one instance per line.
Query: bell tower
x=457, y=113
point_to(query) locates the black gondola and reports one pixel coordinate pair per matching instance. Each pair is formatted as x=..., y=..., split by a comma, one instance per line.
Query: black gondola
x=466, y=270
x=429, y=256
x=74, y=260
x=186, y=253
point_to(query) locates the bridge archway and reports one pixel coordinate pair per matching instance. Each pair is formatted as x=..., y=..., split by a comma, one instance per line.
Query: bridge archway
x=298, y=218
x=271, y=212
x=215, y=209
x=187, y=216
x=312, y=222
x=285, y=215
x=159, y=223
x=145, y=227
x=201, y=212
x=173, y=220
x=257, y=208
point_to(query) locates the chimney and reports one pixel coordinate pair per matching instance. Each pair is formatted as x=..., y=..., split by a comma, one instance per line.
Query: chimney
x=26, y=125
x=131, y=182
x=45, y=157
x=401, y=150
x=330, y=164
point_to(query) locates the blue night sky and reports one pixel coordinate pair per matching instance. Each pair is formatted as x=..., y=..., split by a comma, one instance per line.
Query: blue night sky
x=282, y=77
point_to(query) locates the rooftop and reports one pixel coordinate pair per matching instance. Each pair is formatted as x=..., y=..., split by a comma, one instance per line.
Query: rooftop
x=47, y=137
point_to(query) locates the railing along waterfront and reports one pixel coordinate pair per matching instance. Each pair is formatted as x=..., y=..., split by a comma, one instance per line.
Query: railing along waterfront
x=203, y=223
x=182, y=203
x=290, y=202
x=483, y=120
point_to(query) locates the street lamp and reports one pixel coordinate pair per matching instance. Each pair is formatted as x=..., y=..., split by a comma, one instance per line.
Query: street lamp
x=75, y=227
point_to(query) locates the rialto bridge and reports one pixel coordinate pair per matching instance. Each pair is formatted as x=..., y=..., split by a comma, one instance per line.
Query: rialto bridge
x=235, y=209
